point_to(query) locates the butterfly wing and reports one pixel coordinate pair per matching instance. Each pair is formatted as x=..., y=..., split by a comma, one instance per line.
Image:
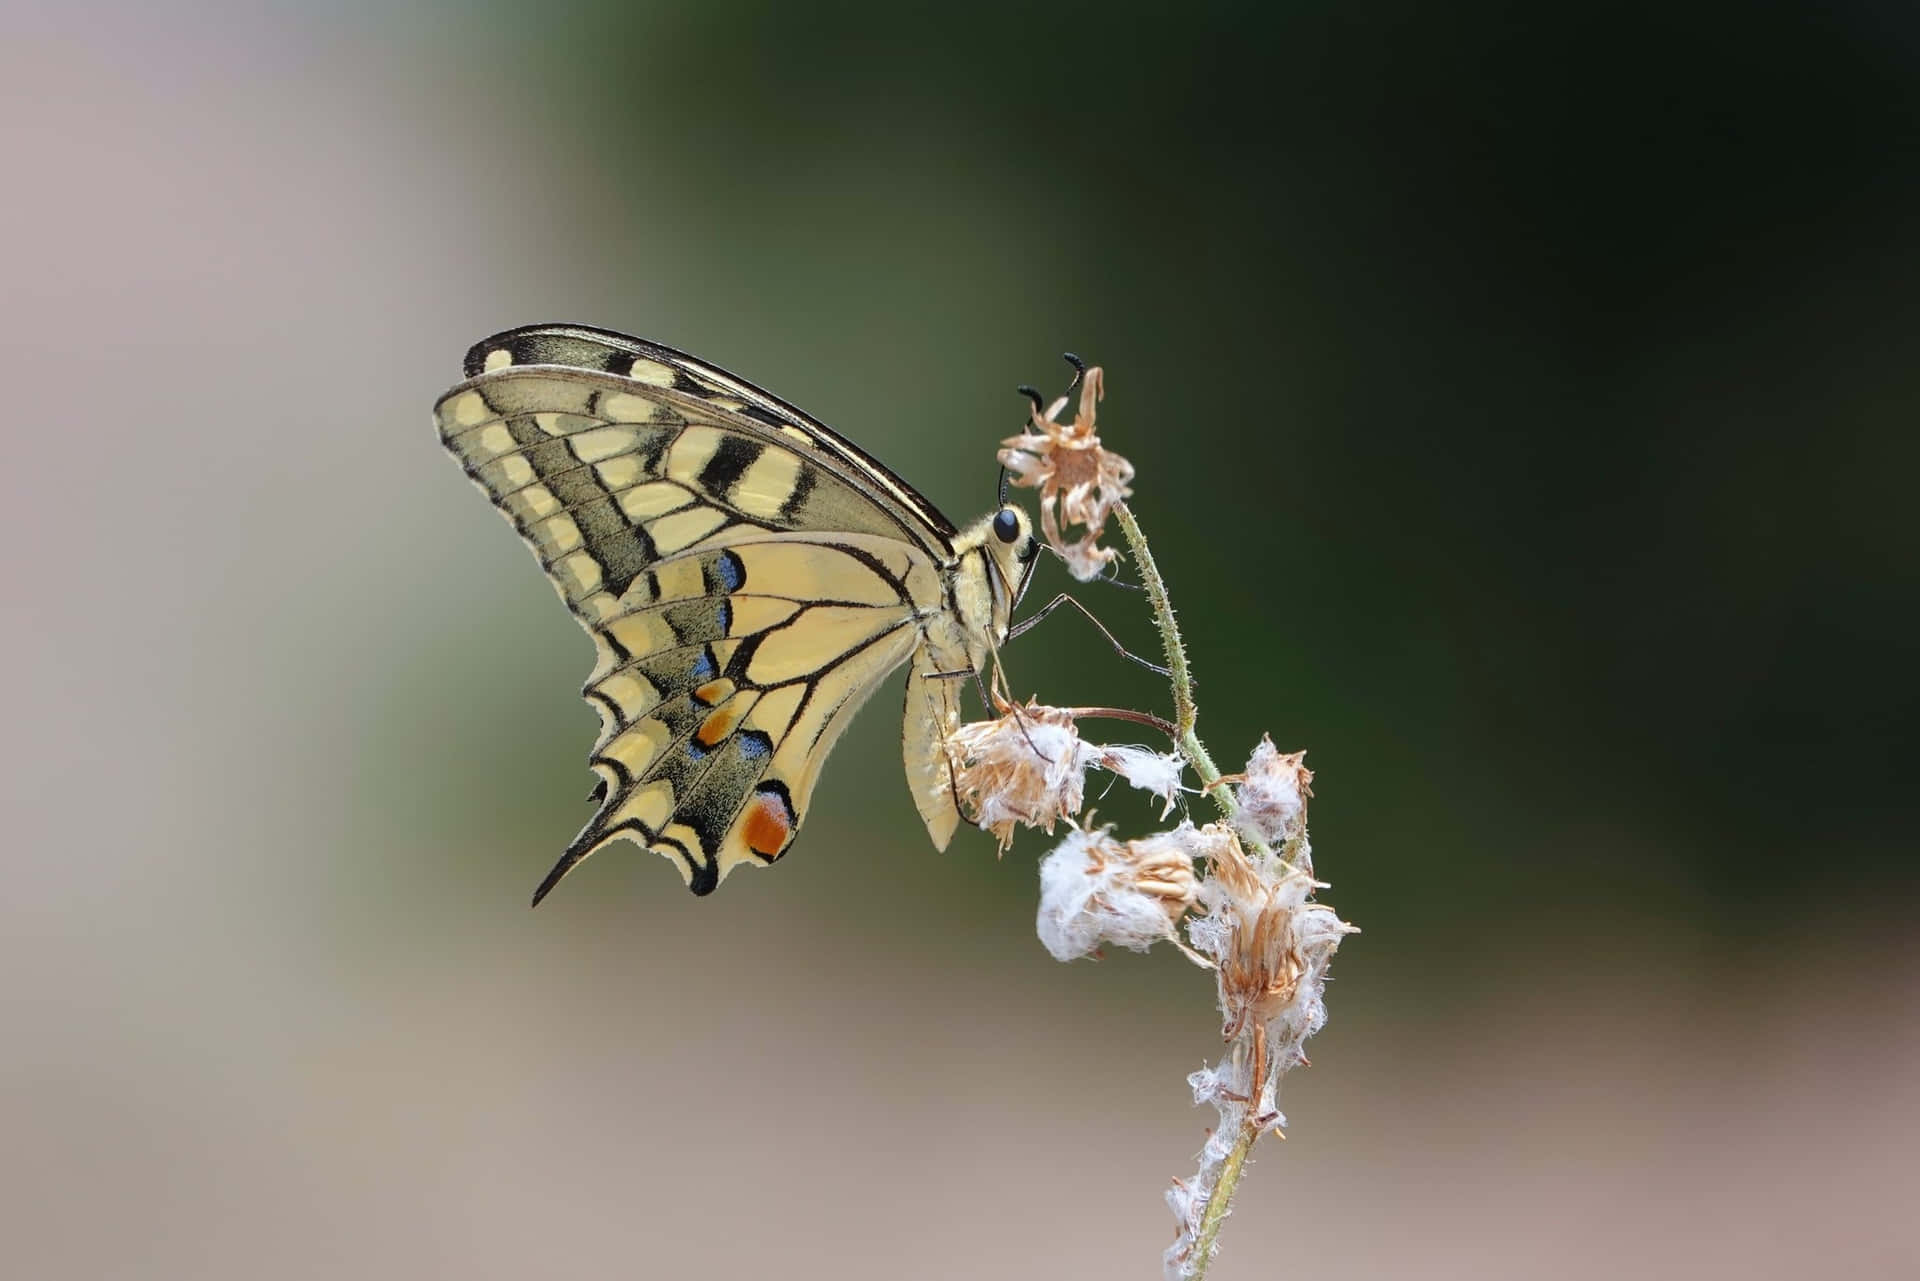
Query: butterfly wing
x=747, y=577
x=691, y=379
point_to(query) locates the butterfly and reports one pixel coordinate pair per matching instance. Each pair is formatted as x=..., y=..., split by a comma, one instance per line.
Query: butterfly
x=748, y=577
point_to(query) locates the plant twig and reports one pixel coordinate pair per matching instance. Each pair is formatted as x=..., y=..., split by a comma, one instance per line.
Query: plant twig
x=1148, y=719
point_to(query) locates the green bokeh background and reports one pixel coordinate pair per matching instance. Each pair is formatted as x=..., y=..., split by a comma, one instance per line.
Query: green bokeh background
x=1522, y=402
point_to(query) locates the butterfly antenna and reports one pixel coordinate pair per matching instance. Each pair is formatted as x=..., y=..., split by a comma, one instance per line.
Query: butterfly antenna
x=1079, y=370
x=1039, y=408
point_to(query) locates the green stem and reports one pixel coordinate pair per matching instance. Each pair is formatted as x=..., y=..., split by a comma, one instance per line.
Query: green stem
x=1184, y=716
x=1183, y=709
x=1222, y=1199
x=1185, y=713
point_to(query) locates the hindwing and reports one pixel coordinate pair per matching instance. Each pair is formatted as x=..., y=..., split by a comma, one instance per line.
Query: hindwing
x=747, y=577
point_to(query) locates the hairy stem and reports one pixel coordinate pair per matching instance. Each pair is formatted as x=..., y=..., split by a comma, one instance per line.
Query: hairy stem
x=1222, y=1199
x=1176, y=649
x=1185, y=713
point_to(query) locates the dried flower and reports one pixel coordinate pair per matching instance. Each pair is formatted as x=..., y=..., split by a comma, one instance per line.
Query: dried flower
x=1271, y=945
x=1274, y=792
x=1247, y=910
x=1074, y=473
x=1094, y=889
x=1029, y=766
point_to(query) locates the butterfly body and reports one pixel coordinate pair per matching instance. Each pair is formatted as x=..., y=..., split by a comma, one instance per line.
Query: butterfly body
x=748, y=578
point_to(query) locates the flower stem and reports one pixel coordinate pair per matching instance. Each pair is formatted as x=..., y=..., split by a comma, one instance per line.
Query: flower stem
x=1183, y=709
x=1221, y=1202
x=1184, y=715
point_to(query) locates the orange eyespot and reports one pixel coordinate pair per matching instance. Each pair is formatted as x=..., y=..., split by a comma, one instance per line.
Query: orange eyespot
x=767, y=824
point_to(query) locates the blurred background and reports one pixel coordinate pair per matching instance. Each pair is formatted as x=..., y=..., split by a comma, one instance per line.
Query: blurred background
x=1522, y=399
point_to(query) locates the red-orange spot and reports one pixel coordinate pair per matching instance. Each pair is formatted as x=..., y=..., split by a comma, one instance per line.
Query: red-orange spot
x=713, y=691
x=767, y=825
x=717, y=726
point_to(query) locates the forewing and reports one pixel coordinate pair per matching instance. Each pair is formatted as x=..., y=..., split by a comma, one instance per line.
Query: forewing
x=687, y=379
x=605, y=476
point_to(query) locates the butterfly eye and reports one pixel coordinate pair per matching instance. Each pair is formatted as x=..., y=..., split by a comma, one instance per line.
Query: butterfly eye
x=1006, y=526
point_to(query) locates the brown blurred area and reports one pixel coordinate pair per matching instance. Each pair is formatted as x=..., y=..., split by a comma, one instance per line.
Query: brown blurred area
x=1523, y=407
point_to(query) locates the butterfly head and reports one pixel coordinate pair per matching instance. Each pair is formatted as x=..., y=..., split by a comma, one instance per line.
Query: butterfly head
x=1012, y=547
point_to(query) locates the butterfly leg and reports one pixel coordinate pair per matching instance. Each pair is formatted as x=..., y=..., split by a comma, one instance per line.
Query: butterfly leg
x=987, y=697
x=1029, y=623
x=997, y=697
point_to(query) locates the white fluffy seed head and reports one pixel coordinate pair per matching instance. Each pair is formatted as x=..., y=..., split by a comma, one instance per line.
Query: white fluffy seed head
x=1094, y=890
x=1273, y=796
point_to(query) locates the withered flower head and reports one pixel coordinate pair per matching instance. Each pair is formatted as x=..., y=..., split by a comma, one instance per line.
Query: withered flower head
x=1094, y=890
x=1271, y=944
x=1028, y=768
x=1079, y=479
x=1274, y=792
x=1254, y=939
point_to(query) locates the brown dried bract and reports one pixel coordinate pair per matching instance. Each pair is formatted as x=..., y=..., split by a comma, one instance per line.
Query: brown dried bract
x=1158, y=865
x=1264, y=956
x=1079, y=479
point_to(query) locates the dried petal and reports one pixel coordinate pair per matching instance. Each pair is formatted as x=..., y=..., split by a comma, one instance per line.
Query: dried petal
x=1085, y=559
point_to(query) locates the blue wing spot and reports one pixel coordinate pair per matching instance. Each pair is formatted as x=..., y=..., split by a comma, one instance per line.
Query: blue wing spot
x=729, y=571
x=704, y=668
x=754, y=745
